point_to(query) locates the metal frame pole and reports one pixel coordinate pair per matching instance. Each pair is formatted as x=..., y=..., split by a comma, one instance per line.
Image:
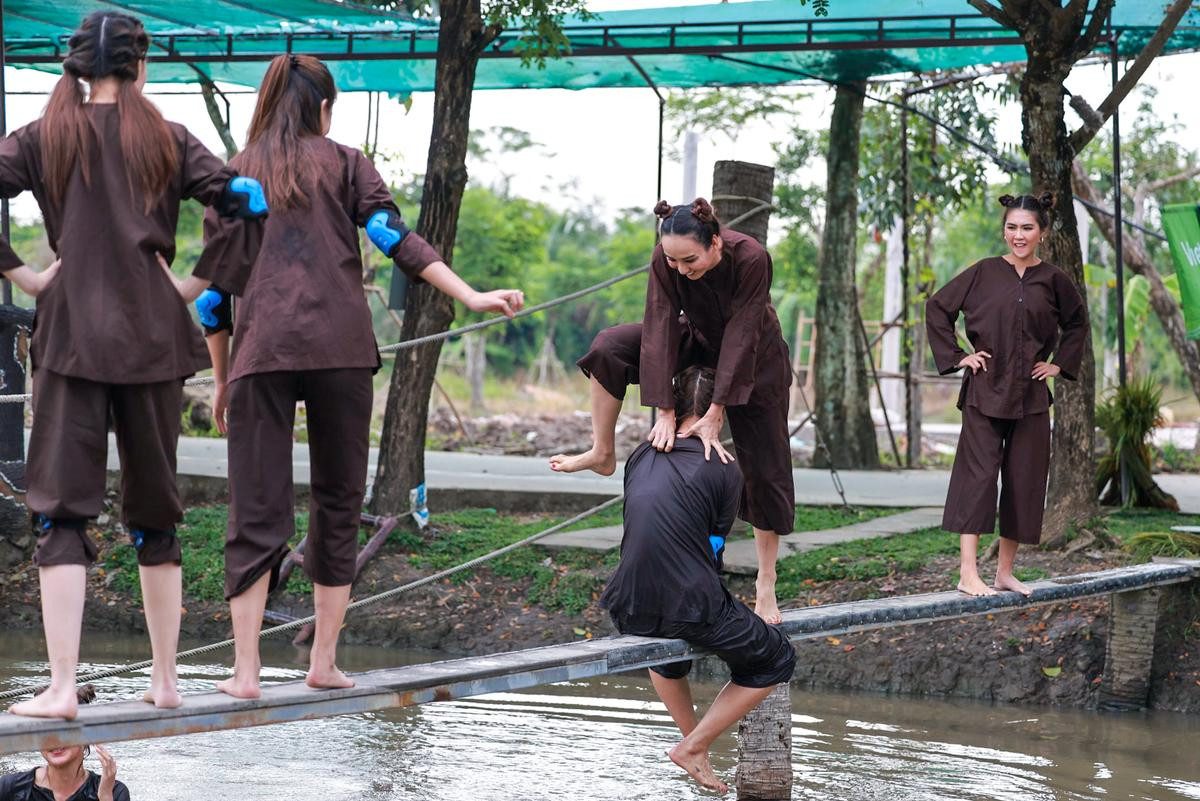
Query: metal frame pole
x=8, y=295
x=1118, y=213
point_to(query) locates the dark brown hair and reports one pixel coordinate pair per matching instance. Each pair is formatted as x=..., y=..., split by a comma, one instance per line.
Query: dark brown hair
x=1041, y=206
x=697, y=220
x=288, y=109
x=693, y=391
x=107, y=44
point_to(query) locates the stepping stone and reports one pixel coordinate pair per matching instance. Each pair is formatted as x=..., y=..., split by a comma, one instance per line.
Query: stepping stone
x=741, y=557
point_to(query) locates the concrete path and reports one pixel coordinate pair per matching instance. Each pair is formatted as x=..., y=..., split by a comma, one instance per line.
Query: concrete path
x=740, y=556
x=484, y=477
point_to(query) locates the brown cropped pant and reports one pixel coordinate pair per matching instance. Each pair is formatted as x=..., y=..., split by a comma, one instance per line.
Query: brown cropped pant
x=759, y=428
x=262, y=413
x=68, y=455
x=1016, y=450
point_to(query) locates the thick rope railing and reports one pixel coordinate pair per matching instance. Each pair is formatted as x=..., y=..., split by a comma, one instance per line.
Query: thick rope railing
x=449, y=334
x=368, y=601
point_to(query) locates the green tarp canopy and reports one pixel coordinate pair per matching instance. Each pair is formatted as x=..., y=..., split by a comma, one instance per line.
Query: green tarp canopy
x=767, y=42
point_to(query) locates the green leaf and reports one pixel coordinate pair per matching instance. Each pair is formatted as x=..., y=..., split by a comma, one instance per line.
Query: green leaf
x=579, y=632
x=1137, y=307
x=1052, y=672
x=1171, y=282
x=1097, y=276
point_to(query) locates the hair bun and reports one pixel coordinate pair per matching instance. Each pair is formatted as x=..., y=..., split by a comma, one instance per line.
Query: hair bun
x=702, y=210
x=1046, y=199
x=1008, y=201
x=663, y=209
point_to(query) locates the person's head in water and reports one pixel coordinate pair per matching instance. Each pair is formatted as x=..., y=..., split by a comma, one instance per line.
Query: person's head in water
x=1026, y=222
x=693, y=394
x=295, y=101
x=108, y=54
x=69, y=760
x=690, y=237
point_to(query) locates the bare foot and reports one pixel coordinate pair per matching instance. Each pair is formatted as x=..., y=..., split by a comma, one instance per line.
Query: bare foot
x=974, y=585
x=603, y=463
x=696, y=763
x=765, y=605
x=1010, y=582
x=50, y=704
x=163, y=697
x=329, y=678
x=240, y=687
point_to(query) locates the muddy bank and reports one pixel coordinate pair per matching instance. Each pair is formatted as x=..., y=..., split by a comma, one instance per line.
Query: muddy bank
x=1049, y=655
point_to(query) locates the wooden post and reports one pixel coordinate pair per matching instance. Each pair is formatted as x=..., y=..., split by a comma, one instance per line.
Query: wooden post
x=1132, y=624
x=765, y=735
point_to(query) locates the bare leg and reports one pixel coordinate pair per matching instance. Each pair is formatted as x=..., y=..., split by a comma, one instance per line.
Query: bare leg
x=602, y=456
x=969, y=581
x=331, y=605
x=691, y=753
x=677, y=695
x=247, y=612
x=162, y=599
x=1005, y=580
x=766, y=544
x=63, y=590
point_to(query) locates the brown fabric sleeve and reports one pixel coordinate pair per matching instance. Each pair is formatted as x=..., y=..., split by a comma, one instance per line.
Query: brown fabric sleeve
x=736, y=363
x=1072, y=318
x=15, y=178
x=230, y=249
x=660, y=336
x=941, y=313
x=371, y=194
x=204, y=175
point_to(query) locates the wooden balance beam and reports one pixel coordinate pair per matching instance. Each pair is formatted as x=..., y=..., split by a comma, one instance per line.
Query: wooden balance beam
x=462, y=678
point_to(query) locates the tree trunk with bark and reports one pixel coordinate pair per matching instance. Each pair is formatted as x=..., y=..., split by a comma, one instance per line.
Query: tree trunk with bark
x=461, y=38
x=842, y=392
x=764, y=771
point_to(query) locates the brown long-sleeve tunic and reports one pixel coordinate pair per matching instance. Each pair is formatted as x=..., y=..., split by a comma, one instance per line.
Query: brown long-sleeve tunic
x=729, y=310
x=1017, y=320
x=111, y=315
x=302, y=303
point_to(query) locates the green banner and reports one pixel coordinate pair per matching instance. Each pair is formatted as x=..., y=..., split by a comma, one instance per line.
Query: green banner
x=1182, y=224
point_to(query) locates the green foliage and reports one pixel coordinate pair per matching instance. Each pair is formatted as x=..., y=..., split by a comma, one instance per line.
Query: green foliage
x=1127, y=417
x=1175, y=544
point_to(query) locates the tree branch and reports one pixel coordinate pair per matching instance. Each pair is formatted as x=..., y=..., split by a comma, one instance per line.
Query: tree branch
x=992, y=12
x=1095, y=26
x=209, y=90
x=1171, y=180
x=1151, y=51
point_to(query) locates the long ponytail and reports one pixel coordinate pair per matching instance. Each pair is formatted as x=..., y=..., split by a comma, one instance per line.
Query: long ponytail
x=288, y=109
x=107, y=45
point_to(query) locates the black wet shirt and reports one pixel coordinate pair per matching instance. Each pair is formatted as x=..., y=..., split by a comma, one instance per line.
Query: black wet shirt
x=673, y=502
x=23, y=787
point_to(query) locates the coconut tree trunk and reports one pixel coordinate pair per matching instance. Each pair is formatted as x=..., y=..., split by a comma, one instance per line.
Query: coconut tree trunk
x=842, y=393
x=461, y=38
x=764, y=771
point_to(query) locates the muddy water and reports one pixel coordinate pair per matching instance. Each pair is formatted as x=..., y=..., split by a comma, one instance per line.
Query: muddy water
x=605, y=738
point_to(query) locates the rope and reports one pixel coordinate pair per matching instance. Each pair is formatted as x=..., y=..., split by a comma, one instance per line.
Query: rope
x=453, y=332
x=373, y=599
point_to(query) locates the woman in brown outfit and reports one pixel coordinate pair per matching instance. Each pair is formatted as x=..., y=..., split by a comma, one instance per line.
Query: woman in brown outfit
x=708, y=303
x=303, y=333
x=112, y=339
x=1014, y=306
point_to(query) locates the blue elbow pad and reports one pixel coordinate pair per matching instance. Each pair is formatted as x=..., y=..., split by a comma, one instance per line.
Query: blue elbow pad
x=387, y=231
x=718, y=546
x=216, y=310
x=243, y=197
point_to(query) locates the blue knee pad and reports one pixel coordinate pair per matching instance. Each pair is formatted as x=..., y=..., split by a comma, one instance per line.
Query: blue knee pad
x=215, y=309
x=244, y=198
x=43, y=524
x=386, y=230
x=718, y=546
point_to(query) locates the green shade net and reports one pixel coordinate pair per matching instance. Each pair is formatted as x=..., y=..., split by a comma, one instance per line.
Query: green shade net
x=711, y=45
x=1182, y=223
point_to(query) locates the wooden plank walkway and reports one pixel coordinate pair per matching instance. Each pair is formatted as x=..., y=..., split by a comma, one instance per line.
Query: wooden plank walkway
x=461, y=678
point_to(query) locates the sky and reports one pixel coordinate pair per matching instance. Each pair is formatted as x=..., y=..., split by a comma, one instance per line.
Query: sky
x=598, y=146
